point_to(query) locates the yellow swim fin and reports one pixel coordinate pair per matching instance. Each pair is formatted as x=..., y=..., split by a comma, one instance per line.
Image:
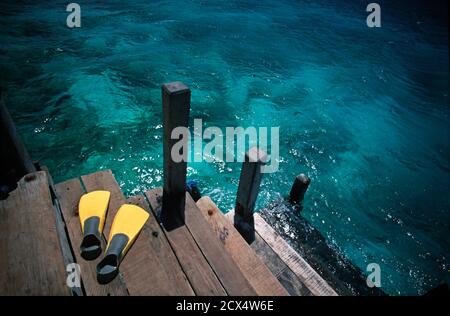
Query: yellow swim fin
x=127, y=224
x=92, y=212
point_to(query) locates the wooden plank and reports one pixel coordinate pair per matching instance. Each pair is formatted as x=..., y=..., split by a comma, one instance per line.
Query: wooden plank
x=31, y=262
x=68, y=194
x=278, y=267
x=199, y=273
x=338, y=271
x=253, y=268
x=285, y=276
x=163, y=275
x=66, y=248
x=228, y=272
x=315, y=283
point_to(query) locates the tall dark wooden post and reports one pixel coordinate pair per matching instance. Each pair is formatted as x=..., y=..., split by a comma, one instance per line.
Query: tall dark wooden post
x=176, y=99
x=248, y=189
x=16, y=153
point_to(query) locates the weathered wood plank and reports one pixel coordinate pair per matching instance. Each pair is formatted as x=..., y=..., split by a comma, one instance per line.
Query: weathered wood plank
x=31, y=262
x=152, y=251
x=285, y=276
x=314, y=282
x=344, y=277
x=277, y=266
x=253, y=268
x=68, y=194
x=66, y=248
x=198, y=271
x=223, y=265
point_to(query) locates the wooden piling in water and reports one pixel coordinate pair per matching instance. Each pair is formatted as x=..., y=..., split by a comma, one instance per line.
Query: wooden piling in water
x=9, y=132
x=299, y=188
x=15, y=162
x=176, y=99
x=248, y=189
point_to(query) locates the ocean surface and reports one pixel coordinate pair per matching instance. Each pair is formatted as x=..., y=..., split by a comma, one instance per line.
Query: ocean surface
x=363, y=111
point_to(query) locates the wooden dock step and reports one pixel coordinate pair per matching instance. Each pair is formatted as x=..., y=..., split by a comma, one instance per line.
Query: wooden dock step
x=288, y=279
x=313, y=281
x=31, y=261
x=293, y=271
x=254, y=269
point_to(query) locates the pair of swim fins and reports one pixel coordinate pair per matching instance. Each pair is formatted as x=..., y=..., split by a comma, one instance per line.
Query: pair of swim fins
x=127, y=224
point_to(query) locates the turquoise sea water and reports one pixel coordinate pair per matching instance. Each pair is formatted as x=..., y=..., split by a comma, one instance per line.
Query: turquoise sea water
x=364, y=112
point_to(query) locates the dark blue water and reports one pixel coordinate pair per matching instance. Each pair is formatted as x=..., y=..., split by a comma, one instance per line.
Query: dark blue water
x=365, y=112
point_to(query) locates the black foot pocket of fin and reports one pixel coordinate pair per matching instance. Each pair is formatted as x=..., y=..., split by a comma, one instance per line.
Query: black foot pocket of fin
x=91, y=245
x=90, y=249
x=108, y=268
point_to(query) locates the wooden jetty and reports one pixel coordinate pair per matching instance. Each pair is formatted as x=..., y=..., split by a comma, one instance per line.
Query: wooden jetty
x=185, y=248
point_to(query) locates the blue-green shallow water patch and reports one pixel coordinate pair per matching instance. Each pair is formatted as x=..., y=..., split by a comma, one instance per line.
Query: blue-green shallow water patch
x=363, y=111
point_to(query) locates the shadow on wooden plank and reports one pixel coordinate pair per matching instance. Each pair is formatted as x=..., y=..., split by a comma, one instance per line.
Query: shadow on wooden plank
x=198, y=271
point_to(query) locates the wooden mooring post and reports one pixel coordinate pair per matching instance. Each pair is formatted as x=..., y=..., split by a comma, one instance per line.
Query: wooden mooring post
x=248, y=189
x=15, y=162
x=9, y=136
x=176, y=102
x=299, y=188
